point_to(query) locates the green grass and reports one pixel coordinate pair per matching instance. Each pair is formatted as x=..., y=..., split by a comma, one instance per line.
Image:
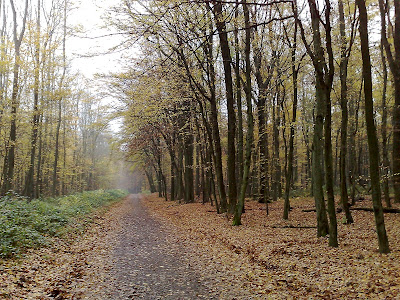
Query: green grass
x=30, y=224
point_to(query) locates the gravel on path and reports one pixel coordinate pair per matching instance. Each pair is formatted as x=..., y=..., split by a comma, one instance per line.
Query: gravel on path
x=144, y=265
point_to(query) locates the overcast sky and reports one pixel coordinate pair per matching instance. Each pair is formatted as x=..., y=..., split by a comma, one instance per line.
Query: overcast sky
x=89, y=14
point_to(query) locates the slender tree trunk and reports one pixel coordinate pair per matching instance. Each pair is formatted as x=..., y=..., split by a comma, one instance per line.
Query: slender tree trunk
x=344, y=59
x=249, y=136
x=29, y=181
x=172, y=182
x=9, y=160
x=329, y=176
x=56, y=154
x=60, y=100
x=276, y=159
x=289, y=173
x=239, y=159
x=371, y=130
x=188, y=154
x=385, y=154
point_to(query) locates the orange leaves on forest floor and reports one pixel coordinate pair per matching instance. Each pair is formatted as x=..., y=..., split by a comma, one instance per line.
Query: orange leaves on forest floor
x=267, y=258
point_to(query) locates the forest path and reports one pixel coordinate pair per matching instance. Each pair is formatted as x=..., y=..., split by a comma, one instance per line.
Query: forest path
x=142, y=263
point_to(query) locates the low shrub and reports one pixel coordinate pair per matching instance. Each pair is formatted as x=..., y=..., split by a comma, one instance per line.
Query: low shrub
x=29, y=224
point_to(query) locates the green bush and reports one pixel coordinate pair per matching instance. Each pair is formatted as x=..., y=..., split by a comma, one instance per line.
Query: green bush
x=28, y=224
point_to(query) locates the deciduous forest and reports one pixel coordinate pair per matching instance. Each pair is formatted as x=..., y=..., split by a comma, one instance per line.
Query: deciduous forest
x=266, y=100
x=270, y=128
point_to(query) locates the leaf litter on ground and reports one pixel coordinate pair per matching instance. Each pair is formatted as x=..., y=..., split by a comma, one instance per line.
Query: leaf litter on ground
x=269, y=258
x=265, y=258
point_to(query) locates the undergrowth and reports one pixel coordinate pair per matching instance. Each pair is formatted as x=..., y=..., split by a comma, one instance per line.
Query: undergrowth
x=30, y=224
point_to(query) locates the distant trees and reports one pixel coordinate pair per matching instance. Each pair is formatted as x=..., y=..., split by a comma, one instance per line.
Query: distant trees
x=46, y=144
x=185, y=110
x=9, y=160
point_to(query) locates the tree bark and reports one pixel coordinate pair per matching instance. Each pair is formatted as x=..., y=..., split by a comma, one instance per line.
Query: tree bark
x=344, y=59
x=55, y=165
x=394, y=65
x=322, y=91
x=385, y=154
x=289, y=171
x=227, y=60
x=29, y=180
x=371, y=130
x=9, y=160
x=249, y=135
x=239, y=158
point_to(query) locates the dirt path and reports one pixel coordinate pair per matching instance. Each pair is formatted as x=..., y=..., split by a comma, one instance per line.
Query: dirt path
x=124, y=254
x=142, y=264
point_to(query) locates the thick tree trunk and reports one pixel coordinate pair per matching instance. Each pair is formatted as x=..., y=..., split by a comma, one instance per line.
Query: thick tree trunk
x=9, y=160
x=151, y=181
x=317, y=151
x=227, y=60
x=263, y=150
x=263, y=166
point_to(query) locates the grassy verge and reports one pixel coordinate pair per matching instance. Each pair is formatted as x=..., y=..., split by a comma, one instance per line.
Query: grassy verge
x=31, y=224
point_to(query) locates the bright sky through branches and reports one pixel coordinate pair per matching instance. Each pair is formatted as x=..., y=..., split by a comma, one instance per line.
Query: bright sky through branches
x=89, y=47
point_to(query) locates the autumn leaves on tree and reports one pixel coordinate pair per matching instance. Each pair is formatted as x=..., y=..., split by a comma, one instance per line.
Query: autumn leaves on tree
x=53, y=127
x=208, y=66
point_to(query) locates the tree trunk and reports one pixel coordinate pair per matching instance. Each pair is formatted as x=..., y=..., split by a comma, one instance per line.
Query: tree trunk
x=249, y=136
x=385, y=154
x=55, y=165
x=29, y=180
x=371, y=130
x=239, y=158
x=394, y=64
x=226, y=56
x=321, y=100
x=289, y=172
x=150, y=180
x=344, y=197
x=263, y=196
x=197, y=174
x=9, y=160
x=188, y=154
